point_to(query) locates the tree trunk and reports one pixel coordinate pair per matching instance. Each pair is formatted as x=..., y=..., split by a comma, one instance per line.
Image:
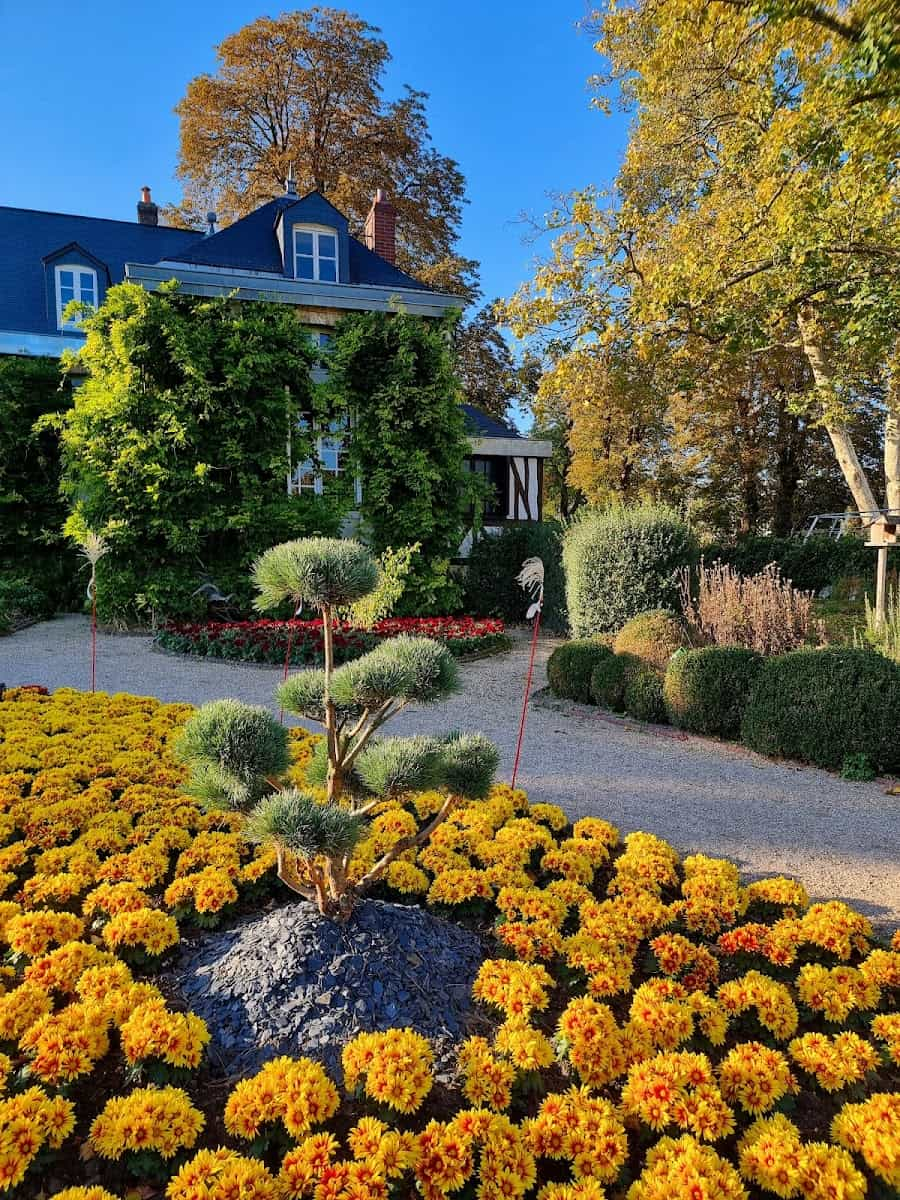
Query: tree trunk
x=335, y=779
x=823, y=375
x=892, y=431
x=790, y=441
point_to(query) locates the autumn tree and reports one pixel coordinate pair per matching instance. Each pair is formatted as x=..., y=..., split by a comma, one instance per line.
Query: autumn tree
x=492, y=378
x=759, y=190
x=754, y=218
x=305, y=90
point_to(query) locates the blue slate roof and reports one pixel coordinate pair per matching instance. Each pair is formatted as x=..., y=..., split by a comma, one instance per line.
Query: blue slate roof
x=31, y=240
x=27, y=237
x=479, y=424
x=251, y=244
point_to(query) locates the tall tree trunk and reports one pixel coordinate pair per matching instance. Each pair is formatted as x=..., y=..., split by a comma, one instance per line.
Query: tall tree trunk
x=823, y=376
x=335, y=780
x=790, y=441
x=892, y=431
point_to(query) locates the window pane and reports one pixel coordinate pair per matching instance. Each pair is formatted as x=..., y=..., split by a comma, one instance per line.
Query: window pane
x=67, y=279
x=330, y=453
x=304, y=243
x=328, y=270
x=327, y=246
x=304, y=268
x=87, y=281
x=65, y=295
x=305, y=476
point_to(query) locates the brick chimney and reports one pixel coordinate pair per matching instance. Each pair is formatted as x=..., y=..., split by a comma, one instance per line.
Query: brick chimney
x=148, y=213
x=381, y=227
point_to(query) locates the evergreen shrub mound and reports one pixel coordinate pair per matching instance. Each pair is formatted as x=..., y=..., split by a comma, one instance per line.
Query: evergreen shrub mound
x=621, y=562
x=820, y=706
x=496, y=560
x=652, y=636
x=570, y=667
x=706, y=690
x=643, y=696
x=609, y=679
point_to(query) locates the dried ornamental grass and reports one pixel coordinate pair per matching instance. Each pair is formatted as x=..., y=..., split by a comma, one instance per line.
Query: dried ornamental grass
x=759, y=612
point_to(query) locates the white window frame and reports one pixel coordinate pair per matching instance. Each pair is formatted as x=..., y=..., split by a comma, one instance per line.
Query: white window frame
x=316, y=231
x=295, y=488
x=77, y=270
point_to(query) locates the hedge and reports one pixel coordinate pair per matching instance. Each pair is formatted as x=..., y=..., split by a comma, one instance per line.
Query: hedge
x=496, y=560
x=820, y=706
x=705, y=691
x=570, y=668
x=623, y=561
x=810, y=565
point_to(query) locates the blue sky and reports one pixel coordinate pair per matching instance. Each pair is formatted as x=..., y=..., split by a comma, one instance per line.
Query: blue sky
x=87, y=97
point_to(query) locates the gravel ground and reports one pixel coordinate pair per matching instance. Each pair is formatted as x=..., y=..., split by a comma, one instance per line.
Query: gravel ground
x=841, y=839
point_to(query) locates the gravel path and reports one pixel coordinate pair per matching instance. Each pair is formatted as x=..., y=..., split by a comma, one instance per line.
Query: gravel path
x=841, y=839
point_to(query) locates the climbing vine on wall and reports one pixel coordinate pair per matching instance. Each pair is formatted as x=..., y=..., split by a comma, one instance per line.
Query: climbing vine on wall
x=176, y=447
x=394, y=373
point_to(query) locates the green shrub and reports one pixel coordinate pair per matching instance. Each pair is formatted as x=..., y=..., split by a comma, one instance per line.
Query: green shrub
x=644, y=696
x=570, y=666
x=609, y=679
x=652, y=636
x=31, y=508
x=820, y=706
x=21, y=601
x=706, y=690
x=234, y=747
x=621, y=562
x=495, y=561
x=857, y=768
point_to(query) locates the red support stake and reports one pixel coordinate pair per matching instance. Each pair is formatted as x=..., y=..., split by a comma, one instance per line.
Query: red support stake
x=94, y=639
x=534, y=637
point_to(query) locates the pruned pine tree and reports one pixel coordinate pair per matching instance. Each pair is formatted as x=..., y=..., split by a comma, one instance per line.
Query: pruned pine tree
x=239, y=754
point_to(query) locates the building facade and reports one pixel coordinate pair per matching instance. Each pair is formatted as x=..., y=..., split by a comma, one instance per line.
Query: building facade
x=292, y=250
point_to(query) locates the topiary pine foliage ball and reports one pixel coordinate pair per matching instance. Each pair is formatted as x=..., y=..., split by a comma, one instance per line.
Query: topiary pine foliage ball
x=429, y=670
x=397, y=765
x=320, y=572
x=233, y=746
x=297, y=822
x=401, y=669
x=470, y=762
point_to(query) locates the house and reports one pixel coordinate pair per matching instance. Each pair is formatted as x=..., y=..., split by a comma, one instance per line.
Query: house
x=292, y=250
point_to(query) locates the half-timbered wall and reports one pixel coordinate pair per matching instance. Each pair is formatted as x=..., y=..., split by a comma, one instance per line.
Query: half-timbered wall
x=524, y=488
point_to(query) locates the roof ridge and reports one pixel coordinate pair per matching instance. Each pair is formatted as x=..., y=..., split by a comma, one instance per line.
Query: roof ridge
x=44, y=212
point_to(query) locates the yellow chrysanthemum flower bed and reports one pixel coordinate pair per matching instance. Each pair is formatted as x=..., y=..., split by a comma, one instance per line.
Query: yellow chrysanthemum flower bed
x=650, y=1028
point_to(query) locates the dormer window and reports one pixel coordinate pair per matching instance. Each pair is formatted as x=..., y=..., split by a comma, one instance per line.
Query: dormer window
x=315, y=253
x=74, y=282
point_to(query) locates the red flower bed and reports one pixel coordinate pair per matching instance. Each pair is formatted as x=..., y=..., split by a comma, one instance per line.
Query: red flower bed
x=268, y=641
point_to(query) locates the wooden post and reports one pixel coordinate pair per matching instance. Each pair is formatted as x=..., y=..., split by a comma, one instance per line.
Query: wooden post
x=881, y=587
